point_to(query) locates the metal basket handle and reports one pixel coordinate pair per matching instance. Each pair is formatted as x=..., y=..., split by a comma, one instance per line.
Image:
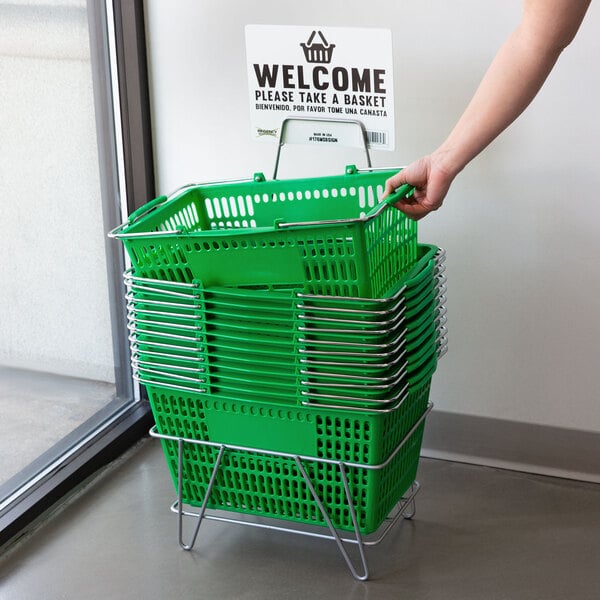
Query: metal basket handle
x=151, y=205
x=361, y=141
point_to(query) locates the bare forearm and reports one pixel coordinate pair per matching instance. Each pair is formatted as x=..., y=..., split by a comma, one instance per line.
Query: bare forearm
x=513, y=79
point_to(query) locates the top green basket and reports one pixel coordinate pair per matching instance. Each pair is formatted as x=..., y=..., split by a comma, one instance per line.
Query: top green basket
x=332, y=233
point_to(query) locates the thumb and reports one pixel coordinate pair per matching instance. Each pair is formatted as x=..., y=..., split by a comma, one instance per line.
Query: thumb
x=393, y=183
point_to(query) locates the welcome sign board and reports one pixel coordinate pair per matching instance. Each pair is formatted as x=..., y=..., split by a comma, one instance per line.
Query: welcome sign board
x=321, y=72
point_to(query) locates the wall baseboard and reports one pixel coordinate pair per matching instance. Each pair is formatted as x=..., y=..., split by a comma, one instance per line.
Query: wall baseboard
x=530, y=448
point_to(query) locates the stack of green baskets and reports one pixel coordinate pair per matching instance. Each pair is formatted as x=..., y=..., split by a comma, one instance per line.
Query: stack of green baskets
x=306, y=336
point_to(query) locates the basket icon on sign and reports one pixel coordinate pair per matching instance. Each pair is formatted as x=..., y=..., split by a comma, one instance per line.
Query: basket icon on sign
x=319, y=52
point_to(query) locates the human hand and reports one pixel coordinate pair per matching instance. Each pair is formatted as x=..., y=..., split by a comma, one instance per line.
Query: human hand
x=431, y=182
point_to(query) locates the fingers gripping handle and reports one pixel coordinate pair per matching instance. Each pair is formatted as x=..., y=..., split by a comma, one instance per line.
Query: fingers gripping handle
x=404, y=191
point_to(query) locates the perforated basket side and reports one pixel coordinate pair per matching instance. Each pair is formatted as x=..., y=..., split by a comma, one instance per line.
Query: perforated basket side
x=270, y=485
x=233, y=235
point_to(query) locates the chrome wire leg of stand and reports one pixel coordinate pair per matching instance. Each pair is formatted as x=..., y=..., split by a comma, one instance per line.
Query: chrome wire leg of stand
x=200, y=514
x=410, y=509
x=334, y=533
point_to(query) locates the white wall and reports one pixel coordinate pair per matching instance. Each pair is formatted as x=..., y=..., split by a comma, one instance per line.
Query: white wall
x=520, y=224
x=54, y=310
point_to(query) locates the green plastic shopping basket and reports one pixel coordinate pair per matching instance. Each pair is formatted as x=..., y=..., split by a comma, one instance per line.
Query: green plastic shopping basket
x=270, y=485
x=331, y=234
x=183, y=334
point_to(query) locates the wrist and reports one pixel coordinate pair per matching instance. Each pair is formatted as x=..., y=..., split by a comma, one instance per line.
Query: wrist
x=445, y=160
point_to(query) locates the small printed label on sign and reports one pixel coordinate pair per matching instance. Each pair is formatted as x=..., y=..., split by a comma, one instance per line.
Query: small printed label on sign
x=330, y=73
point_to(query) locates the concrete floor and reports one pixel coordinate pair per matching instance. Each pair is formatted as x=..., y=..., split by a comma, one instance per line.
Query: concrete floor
x=39, y=410
x=479, y=533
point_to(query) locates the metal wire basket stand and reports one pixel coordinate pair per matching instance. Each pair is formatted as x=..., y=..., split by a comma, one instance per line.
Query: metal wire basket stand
x=405, y=508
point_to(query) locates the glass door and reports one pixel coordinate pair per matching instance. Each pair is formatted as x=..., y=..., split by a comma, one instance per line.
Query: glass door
x=65, y=384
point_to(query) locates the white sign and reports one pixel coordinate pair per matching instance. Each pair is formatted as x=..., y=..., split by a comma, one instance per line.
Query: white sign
x=321, y=72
